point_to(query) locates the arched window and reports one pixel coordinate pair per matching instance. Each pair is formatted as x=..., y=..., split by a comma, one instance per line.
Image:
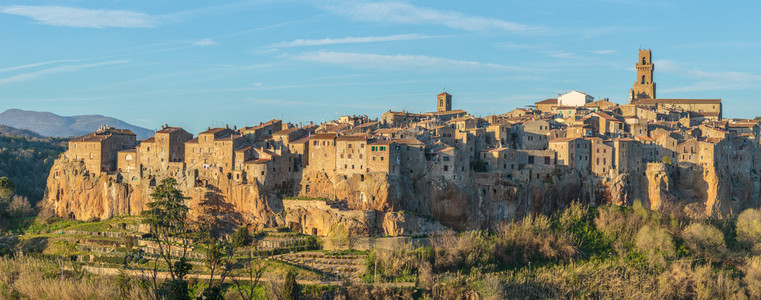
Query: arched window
x=644, y=61
x=643, y=79
x=441, y=102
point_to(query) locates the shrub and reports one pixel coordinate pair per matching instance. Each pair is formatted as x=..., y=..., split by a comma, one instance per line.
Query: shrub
x=749, y=229
x=241, y=237
x=290, y=287
x=533, y=239
x=705, y=240
x=19, y=207
x=752, y=278
x=684, y=281
x=620, y=225
x=656, y=244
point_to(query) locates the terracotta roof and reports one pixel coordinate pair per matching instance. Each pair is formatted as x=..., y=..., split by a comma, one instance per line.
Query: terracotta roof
x=323, y=136
x=193, y=141
x=149, y=140
x=450, y=112
x=351, y=138
x=495, y=149
x=286, y=131
x=562, y=140
x=548, y=101
x=256, y=160
x=301, y=140
x=244, y=148
x=679, y=101
x=444, y=93
x=169, y=129
x=213, y=130
x=409, y=141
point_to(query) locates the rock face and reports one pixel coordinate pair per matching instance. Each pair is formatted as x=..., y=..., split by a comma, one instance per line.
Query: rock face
x=378, y=204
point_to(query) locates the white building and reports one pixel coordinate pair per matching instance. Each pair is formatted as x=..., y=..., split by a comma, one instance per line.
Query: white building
x=574, y=98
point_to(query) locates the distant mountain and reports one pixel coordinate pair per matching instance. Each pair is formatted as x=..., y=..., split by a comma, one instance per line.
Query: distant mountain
x=50, y=124
x=10, y=132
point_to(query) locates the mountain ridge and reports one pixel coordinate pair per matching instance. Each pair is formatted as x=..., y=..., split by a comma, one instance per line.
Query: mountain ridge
x=53, y=125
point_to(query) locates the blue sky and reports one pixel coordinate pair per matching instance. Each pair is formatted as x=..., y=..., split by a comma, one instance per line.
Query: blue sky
x=206, y=63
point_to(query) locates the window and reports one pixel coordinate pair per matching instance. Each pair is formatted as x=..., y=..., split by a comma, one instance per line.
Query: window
x=446, y=168
x=349, y=146
x=643, y=78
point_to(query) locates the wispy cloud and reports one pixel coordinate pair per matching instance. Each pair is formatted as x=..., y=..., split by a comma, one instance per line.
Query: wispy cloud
x=604, y=52
x=83, y=18
x=205, y=42
x=34, y=65
x=404, y=13
x=292, y=103
x=511, y=45
x=708, y=80
x=367, y=60
x=350, y=40
x=59, y=69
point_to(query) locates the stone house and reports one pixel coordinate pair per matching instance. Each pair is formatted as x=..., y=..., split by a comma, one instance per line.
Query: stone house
x=601, y=157
x=573, y=152
x=98, y=150
x=351, y=154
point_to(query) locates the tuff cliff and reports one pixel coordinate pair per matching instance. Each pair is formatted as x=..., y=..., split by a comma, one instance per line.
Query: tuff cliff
x=378, y=204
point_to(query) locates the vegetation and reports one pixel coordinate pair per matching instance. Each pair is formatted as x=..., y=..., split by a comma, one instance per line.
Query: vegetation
x=577, y=253
x=26, y=159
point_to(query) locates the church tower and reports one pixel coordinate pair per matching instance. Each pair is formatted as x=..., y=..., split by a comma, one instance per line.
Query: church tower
x=644, y=87
x=444, y=102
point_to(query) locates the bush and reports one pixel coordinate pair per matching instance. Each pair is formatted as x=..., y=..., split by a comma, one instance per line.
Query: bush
x=242, y=237
x=705, y=240
x=620, y=225
x=290, y=287
x=533, y=239
x=749, y=229
x=656, y=244
x=752, y=271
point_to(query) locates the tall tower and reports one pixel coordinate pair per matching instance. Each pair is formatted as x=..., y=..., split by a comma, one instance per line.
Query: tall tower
x=444, y=102
x=644, y=87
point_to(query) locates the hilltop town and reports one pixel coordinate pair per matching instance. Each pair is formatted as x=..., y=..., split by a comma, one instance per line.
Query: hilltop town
x=410, y=173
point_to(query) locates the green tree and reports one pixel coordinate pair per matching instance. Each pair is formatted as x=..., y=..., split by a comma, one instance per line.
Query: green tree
x=7, y=188
x=167, y=216
x=241, y=237
x=290, y=287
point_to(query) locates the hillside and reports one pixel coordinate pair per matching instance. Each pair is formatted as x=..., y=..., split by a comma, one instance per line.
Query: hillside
x=53, y=125
x=26, y=158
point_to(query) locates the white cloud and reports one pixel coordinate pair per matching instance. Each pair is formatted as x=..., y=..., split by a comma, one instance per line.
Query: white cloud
x=604, y=52
x=364, y=60
x=403, y=13
x=350, y=40
x=511, y=45
x=83, y=18
x=708, y=80
x=59, y=69
x=44, y=63
x=205, y=42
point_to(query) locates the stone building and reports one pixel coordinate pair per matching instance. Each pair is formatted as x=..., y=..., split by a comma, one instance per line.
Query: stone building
x=601, y=157
x=351, y=154
x=98, y=150
x=443, y=102
x=573, y=152
x=644, y=86
x=322, y=152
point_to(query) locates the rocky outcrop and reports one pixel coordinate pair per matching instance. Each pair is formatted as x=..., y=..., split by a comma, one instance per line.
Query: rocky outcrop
x=375, y=203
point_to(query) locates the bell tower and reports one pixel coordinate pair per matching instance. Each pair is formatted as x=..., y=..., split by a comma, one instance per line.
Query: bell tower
x=444, y=102
x=644, y=86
